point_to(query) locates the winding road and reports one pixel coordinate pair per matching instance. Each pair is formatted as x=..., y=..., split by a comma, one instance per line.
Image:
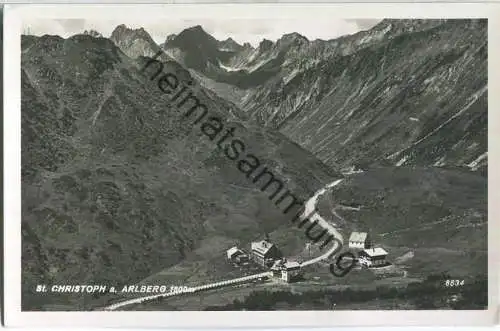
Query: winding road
x=309, y=212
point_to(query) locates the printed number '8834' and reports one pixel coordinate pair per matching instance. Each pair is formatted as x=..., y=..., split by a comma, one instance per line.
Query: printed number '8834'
x=454, y=282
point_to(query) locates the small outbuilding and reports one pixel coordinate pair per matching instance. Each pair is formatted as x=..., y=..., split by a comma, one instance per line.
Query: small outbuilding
x=359, y=240
x=234, y=254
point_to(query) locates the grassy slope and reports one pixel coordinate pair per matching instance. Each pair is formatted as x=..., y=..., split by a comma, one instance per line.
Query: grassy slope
x=439, y=215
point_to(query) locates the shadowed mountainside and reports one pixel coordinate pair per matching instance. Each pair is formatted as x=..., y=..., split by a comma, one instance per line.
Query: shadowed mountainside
x=116, y=184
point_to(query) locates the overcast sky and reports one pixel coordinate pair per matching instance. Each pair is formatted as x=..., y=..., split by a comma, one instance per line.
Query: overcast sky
x=250, y=30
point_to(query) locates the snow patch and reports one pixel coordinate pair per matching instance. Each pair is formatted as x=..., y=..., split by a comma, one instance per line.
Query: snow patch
x=474, y=165
x=259, y=64
x=106, y=96
x=351, y=171
x=402, y=161
x=291, y=75
x=440, y=162
x=348, y=138
x=430, y=80
x=230, y=69
x=375, y=36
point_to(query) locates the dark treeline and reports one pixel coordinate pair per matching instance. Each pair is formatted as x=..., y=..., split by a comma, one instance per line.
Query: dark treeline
x=429, y=294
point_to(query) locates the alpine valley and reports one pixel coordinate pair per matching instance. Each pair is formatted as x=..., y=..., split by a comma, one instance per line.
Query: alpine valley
x=118, y=190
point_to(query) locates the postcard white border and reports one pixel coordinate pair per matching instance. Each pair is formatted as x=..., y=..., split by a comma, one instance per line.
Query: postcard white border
x=13, y=16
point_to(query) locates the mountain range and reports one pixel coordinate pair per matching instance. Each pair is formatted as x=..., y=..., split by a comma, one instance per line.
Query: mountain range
x=117, y=188
x=359, y=87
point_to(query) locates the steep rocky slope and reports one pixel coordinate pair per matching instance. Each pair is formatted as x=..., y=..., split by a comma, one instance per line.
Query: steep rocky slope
x=116, y=185
x=404, y=92
x=417, y=98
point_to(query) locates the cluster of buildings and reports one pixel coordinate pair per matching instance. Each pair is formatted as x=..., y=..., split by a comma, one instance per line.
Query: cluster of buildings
x=368, y=255
x=265, y=254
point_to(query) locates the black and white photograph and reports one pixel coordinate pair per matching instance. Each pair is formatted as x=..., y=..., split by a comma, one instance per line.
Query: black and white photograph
x=253, y=164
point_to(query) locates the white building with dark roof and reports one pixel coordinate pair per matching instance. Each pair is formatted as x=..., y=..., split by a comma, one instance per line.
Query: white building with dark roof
x=265, y=253
x=373, y=257
x=286, y=270
x=290, y=271
x=359, y=240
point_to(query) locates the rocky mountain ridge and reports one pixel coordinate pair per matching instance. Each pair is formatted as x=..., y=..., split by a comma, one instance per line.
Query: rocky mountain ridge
x=404, y=92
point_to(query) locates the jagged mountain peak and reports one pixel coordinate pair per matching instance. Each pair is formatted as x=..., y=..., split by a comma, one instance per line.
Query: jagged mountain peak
x=398, y=26
x=247, y=46
x=195, y=28
x=231, y=41
x=194, y=35
x=294, y=36
x=170, y=37
x=408, y=57
x=76, y=60
x=134, y=42
x=230, y=44
x=198, y=49
x=195, y=31
x=265, y=44
x=122, y=29
x=93, y=33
